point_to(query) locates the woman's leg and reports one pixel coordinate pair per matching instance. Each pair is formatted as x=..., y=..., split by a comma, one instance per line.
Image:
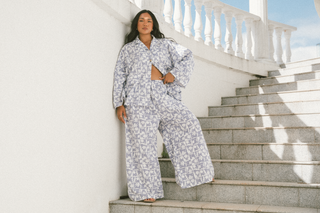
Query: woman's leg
x=143, y=171
x=184, y=140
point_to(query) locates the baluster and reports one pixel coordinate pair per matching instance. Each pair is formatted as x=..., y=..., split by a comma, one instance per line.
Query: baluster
x=248, y=23
x=197, y=22
x=287, y=35
x=217, y=27
x=167, y=11
x=239, y=40
x=177, y=17
x=279, y=45
x=228, y=37
x=271, y=46
x=187, y=21
x=208, y=27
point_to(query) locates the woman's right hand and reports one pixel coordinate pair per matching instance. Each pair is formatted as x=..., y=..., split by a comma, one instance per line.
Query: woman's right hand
x=121, y=113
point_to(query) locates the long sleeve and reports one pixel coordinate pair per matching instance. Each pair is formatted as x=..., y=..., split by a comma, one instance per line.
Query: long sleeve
x=183, y=63
x=119, y=80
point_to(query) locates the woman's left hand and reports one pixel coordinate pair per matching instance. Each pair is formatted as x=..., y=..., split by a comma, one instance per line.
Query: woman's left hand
x=168, y=78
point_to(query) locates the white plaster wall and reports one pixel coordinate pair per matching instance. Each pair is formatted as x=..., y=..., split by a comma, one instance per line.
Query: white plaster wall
x=61, y=145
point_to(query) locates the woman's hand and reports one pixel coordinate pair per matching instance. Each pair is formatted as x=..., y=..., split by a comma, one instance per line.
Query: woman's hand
x=121, y=111
x=168, y=78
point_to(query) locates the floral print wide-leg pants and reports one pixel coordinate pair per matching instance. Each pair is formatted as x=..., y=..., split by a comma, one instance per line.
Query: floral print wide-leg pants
x=182, y=136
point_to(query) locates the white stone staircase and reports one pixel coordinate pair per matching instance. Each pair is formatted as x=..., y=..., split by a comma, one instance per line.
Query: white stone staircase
x=265, y=147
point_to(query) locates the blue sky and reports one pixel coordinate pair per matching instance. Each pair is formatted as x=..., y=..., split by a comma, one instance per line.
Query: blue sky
x=299, y=13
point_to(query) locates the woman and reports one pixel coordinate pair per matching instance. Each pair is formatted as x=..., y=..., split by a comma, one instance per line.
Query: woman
x=149, y=73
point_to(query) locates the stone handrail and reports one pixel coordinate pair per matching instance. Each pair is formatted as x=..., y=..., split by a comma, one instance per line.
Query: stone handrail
x=166, y=9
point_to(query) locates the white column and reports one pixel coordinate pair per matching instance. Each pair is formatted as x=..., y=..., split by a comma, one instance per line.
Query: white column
x=239, y=40
x=261, y=38
x=248, y=23
x=279, y=45
x=177, y=16
x=167, y=11
x=287, y=35
x=187, y=21
x=197, y=21
x=271, y=46
x=208, y=26
x=228, y=37
x=217, y=28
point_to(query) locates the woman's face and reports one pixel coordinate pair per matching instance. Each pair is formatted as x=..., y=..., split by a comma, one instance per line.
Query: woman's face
x=145, y=24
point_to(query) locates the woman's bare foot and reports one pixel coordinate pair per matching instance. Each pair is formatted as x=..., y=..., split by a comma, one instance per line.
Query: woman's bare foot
x=212, y=179
x=149, y=200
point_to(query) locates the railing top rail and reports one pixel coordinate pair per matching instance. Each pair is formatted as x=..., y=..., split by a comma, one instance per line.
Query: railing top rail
x=284, y=26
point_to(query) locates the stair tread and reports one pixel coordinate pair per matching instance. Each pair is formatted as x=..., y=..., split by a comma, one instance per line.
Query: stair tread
x=216, y=206
x=259, y=115
x=255, y=183
x=267, y=103
x=280, y=76
x=259, y=144
x=269, y=85
x=260, y=161
x=256, y=128
x=282, y=92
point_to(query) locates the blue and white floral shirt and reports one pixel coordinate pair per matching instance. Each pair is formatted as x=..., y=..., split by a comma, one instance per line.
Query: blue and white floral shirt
x=132, y=76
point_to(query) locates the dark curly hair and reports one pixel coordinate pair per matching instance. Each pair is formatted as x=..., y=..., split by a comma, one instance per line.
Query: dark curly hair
x=134, y=32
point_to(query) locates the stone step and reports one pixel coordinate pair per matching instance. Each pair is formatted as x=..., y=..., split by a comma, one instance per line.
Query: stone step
x=303, y=95
x=286, y=78
x=268, y=120
x=266, y=108
x=265, y=151
x=291, y=86
x=294, y=70
x=257, y=170
x=302, y=63
x=182, y=206
x=263, y=135
x=247, y=192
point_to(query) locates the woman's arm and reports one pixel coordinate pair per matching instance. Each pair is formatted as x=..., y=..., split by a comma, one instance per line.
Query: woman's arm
x=119, y=80
x=183, y=63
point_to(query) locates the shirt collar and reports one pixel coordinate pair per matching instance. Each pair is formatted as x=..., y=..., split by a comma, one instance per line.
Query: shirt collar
x=154, y=42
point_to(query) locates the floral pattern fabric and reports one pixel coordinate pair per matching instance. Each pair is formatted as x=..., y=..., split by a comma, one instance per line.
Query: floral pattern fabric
x=183, y=139
x=132, y=77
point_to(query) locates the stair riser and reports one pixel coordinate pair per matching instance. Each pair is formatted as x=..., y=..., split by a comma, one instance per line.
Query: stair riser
x=243, y=194
x=268, y=98
x=290, y=135
x=278, y=108
x=296, y=70
x=256, y=171
x=145, y=208
x=276, y=152
x=285, y=79
x=302, y=85
x=261, y=121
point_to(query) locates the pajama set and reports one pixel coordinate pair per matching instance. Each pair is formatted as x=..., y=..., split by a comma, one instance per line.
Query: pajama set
x=151, y=106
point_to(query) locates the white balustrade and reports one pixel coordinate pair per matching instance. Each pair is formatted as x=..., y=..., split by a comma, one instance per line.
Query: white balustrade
x=208, y=26
x=228, y=36
x=187, y=22
x=217, y=30
x=167, y=11
x=217, y=7
x=248, y=23
x=271, y=47
x=279, y=45
x=177, y=17
x=197, y=21
x=287, y=36
x=239, y=40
